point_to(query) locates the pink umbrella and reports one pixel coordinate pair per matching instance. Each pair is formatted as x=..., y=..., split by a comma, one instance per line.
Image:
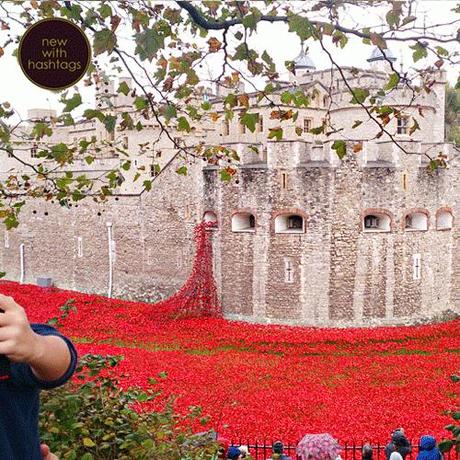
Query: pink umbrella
x=318, y=447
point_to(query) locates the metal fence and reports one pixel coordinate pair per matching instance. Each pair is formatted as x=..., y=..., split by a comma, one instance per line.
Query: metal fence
x=350, y=450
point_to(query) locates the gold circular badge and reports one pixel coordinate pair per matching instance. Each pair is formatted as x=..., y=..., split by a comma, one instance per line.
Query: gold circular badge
x=54, y=53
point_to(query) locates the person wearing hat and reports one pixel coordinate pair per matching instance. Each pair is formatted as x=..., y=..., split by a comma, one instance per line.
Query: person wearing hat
x=399, y=443
x=428, y=449
x=233, y=453
x=278, y=452
x=244, y=451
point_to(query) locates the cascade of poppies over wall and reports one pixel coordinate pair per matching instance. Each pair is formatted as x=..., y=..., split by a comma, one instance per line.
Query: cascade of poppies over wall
x=198, y=296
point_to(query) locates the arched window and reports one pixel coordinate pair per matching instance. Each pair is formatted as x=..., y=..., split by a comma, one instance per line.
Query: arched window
x=444, y=220
x=289, y=223
x=376, y=222
x=243, y=222
x=210, y=216
x=416, y=221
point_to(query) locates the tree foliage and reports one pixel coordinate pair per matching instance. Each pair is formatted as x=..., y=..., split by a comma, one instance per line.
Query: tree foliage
x=172, y=44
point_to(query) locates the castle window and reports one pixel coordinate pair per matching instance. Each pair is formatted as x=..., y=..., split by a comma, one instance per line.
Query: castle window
x=416, y=267
x=243, y=222
x=288, y=271
x=444, y=220
x=307, y=124
x=210, y=216
x=403, y=124
x=416, y=221
x=376, y=223
x=154, y=170
x=289, y=223
x=226, y=128
x=79, y=246
x=284, y=181
x=242, y=128
x=325, y=101
x=260, y=124
x=125, y=142
x=33, y=151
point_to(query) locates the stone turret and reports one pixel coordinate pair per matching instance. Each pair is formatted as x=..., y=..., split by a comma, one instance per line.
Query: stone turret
x=380, y=59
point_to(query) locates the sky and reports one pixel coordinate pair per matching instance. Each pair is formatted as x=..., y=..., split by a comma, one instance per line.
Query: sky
x=275, y=38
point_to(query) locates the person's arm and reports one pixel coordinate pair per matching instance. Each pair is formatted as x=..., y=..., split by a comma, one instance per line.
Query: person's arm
x=47, y=355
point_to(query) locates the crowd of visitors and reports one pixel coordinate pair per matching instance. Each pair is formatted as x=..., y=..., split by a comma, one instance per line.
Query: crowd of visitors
x=398, y=448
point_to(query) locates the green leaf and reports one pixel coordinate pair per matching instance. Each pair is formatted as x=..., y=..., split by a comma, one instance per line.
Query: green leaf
x=356, y=124
x=123, y=88
x=147, y=185
x=148, y=43
x=301, y=26
x=182, y=171
x=225, y=176
x=87, y=456
x=359, y=95
x=442, y=51
x=126, y=165
x=249, y=120
x=393, y=18
x=104, y=41
x=105, y=11
x=170, y=112
x=276, y=133
x=71, y=103
x=183, y=124
x=420, y=52
x=110, y=122
x=89, y=114
x=340, y=148
x=286, y=97
x=40, y=130
x=89, y=159
x=250, y=20
x=2, y=274
x=392, y=82
x=141, y=103
x=446, y=445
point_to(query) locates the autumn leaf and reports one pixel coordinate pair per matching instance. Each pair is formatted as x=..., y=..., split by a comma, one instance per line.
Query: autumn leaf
x=275, y=133
x=243, y=100
x=357, y=147
x=214, y=45
x=114, y=22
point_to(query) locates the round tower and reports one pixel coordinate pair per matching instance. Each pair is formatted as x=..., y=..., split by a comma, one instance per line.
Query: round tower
x=380, y=59
x=303, y=64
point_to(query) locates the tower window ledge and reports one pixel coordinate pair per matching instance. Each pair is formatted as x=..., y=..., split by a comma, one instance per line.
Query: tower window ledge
x=254, y=166
x=316, y=164
x=375, y=230
x=379, y=164
x=244, y=230
x=291, y=231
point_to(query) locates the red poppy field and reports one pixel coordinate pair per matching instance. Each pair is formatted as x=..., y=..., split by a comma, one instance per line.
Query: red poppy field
x=270, y=381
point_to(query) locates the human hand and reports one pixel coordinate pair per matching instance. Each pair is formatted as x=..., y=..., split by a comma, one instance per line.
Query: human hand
x=46, y=453
x=17, y=339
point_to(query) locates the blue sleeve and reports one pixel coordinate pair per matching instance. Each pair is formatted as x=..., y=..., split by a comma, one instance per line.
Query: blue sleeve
x=22, y=373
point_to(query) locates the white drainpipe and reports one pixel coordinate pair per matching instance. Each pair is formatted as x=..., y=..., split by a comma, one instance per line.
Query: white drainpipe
x=109, y=234
x=21, y=259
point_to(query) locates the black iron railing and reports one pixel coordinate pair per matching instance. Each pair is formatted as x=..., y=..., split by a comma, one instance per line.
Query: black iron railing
x=350, y=450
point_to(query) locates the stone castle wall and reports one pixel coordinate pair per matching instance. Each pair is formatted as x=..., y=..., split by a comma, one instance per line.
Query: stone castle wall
x=342, y=275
